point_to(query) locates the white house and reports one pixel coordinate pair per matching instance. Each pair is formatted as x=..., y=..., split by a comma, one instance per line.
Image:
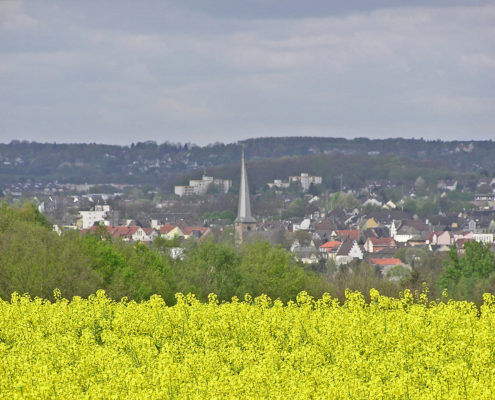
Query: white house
x=304, y=225
x=349, y=250
x=144, y=235
x=403, y=231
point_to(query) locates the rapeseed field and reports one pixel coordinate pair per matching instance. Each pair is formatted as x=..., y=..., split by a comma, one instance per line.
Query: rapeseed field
x=96, y=348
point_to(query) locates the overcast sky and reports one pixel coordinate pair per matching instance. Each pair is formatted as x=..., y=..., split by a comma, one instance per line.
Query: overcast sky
x=201, y=71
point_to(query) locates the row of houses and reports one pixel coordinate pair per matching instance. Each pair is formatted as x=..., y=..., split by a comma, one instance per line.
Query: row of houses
x=377, y=243
x=147, y=235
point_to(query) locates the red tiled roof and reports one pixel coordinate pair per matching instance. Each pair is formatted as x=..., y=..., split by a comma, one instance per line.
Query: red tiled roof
x=123, y=231
x=115, y=231
x=386, y=261
x=383, y=241
x=190, y=229
x=352, y=233
x=94, y=228
x=330, y=244
x=167, y=228
x=325, y=225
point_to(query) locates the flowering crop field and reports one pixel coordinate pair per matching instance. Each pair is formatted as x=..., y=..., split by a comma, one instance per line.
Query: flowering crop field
x=385, y=349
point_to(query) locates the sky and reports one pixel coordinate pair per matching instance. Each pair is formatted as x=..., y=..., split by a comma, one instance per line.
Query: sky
x=205, y=71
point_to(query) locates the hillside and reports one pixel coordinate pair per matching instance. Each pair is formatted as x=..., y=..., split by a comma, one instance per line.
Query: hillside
x=164, y=164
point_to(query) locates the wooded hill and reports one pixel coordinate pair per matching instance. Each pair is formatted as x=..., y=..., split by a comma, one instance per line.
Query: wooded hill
x=164, y=164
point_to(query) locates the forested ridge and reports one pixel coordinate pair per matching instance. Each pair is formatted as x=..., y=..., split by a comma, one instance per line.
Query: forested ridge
x=149, y=162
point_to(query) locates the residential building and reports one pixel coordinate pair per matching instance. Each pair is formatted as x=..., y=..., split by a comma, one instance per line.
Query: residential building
x=406, y=230
x=303, y=225
x=144, y=235
x=484, y=197
x=306, y=253
x=344, y=233
x=200, y=186
x=445, y=238
x=329, y=248
x=279, y=184
x=96, y=216
x=348, y=251
x=169, y=231
x=376, y=244
x=387, y=264
x=485, y=238
x=197, y=232
x=306, y=180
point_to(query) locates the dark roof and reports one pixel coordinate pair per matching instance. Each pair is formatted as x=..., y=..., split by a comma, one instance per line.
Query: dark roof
x=414, y=225
x=325, y=225
x=379, y=231
x=388, y=215
x=345, y=247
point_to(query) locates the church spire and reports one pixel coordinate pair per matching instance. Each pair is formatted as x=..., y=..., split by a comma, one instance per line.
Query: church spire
x=244, y=208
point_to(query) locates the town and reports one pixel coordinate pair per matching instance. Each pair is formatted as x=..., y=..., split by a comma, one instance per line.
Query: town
x=373, y=223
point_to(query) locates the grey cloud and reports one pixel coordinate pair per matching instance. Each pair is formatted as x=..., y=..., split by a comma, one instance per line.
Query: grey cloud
x=196, y=71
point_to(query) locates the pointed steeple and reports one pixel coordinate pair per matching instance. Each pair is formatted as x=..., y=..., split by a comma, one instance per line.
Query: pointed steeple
x=244, y=208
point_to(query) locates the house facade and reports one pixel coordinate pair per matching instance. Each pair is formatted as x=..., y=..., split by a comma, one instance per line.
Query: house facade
x=374, y=244
x=348, y=251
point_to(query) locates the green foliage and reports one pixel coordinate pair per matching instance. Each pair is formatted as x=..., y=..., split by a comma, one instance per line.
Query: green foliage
x=35, y=259
x=462, y=273
x=79, y=163
x=358, y=276
x=296, y=209
x=209, y=268
x=225, y=215
x=163, y=245
x=398, y=272
x=27, y=212
x=272, y=271
x=346, y=200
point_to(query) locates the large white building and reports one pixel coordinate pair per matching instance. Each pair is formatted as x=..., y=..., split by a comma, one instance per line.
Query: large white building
x=200, y=186
x=89, y=218
x=485, y=238
x=304, y=179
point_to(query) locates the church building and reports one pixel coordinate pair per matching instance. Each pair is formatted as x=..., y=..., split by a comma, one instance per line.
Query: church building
x=245, y=222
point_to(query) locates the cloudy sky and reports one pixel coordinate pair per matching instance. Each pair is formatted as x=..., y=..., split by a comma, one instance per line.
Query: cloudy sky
x=201, y=71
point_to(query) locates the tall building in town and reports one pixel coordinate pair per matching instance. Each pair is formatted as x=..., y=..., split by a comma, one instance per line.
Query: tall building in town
x=244, y=223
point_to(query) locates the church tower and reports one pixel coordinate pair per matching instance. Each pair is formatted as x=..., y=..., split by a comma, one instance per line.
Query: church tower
x=244, y=223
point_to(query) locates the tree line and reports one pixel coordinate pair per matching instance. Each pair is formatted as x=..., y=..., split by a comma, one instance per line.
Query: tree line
x=36, y=260
x=84, y=162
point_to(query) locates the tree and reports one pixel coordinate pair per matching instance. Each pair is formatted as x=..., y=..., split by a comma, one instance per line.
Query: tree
x=271, y=270
x=462, y=274
x=209, y=268
x=295, y=209
x=314, y=190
